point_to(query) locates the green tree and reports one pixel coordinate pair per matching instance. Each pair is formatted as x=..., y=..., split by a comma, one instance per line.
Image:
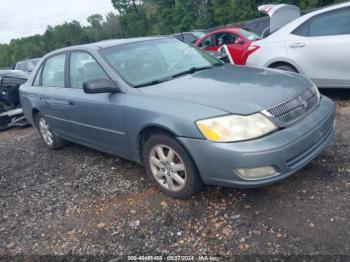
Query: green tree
x=142, y=18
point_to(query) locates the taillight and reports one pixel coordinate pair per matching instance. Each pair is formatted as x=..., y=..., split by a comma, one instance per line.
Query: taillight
x=251, y=49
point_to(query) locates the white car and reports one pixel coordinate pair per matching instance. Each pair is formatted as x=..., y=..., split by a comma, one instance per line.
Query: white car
x=316, y=44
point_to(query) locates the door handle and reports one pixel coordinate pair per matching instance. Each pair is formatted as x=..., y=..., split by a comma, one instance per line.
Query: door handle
x=59, y=102
x=297, y=45
x=71, y=103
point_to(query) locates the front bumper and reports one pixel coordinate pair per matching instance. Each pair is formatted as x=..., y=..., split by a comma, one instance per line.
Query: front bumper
x=288, y=150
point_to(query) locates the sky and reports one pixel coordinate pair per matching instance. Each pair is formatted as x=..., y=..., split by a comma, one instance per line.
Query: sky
x=21, y=18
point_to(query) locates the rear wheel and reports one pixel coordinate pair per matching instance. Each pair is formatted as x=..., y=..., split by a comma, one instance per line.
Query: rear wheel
x=286, y=68
x=171, y=167
x=51, y=140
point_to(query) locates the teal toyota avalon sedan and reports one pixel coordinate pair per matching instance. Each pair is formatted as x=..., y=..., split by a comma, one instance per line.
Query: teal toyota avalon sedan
x=185, y=116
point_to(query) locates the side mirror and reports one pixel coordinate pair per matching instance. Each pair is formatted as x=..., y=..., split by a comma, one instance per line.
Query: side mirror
x=99, y=86
x=239, y=41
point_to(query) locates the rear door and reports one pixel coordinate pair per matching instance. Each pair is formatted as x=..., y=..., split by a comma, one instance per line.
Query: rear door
x=52, y=92
x=321, y=48
x=237, y=48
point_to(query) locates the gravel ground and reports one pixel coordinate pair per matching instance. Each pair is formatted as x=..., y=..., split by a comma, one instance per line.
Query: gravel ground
x=82, y=202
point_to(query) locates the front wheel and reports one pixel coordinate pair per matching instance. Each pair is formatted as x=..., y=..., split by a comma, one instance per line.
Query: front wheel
x=171, y=167
x=51, y=140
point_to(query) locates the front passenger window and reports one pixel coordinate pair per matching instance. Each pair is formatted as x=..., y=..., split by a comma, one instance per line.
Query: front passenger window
x=83, y=68
x=53, y=74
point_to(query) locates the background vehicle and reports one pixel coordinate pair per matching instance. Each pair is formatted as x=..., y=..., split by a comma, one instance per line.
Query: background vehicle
x=26, y=65
x=10, y=80
x=258, y=25
x=187, y=117
x=316, y=45
x=223, y=55
x=10, y=107
x=238, y=42
x=189, y=37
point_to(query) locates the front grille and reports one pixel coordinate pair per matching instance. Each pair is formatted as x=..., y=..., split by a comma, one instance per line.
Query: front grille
x=295, y=108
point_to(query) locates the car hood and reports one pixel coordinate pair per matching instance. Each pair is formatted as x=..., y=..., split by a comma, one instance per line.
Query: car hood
x=14, y=74
x=234, y=89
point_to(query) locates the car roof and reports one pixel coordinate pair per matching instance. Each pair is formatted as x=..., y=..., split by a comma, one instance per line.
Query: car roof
x=189, y=32
x=27, y=60
x=108, y=43
x=327, y=8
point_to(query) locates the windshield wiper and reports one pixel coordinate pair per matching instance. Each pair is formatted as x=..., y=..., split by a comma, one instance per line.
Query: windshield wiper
x=190, y=71
x=193, y=70
x=154, y=82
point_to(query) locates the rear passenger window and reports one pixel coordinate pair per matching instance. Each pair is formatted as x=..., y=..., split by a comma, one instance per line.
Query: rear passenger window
x=83, y=68
x=53, y=74
x=331, y=23
x=302, y=30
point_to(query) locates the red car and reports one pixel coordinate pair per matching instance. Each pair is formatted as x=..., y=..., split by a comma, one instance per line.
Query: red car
x=238, y=42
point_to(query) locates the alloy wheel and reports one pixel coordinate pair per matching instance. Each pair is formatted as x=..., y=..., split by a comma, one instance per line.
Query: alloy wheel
x=168, y=168
x=45, y=131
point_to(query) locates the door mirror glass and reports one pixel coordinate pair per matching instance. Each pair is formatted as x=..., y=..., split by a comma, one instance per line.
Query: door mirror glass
x=99, y=86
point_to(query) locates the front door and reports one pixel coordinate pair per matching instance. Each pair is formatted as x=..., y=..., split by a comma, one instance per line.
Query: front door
x=97, y=119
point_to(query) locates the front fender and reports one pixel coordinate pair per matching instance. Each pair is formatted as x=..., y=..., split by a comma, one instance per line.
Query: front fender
x=177, y=117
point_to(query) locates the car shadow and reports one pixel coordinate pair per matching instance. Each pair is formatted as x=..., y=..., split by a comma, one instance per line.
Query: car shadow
x=340, y=94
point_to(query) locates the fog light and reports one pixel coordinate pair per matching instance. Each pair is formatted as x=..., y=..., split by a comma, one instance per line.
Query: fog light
x=256, y=173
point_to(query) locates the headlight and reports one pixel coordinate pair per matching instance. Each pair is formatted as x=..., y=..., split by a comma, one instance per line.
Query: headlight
x=315, y=90
x=236, y=128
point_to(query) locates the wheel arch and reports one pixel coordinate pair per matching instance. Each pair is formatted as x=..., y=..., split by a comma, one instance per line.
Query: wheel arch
x=146, y=132
x=277, y=62
x=35, y=112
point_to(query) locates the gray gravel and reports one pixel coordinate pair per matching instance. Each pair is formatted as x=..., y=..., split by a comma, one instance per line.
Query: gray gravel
x=82, y=202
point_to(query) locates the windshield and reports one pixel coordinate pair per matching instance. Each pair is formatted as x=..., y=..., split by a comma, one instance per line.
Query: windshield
x=249, y=34
x=27, y=65
x=31, y=64
x=157, y=60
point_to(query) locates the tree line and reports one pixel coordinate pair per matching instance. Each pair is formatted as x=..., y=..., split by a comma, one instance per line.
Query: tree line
x=142, y=18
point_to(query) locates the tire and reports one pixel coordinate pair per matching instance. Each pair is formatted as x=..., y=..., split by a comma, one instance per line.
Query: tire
x=286, y=68
x=4, y=121
x=162, y=171
x=50, y=138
